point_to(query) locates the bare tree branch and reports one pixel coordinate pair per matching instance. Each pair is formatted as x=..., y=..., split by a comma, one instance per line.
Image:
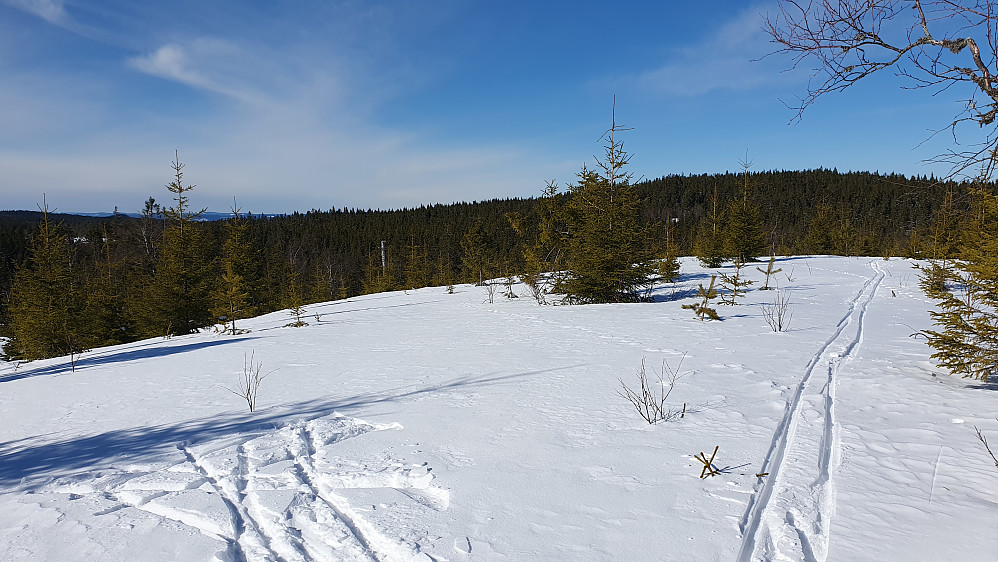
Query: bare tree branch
x=930, y=43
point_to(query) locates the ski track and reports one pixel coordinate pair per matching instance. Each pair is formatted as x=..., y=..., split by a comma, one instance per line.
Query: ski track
x=788, y=516
x=271, y=496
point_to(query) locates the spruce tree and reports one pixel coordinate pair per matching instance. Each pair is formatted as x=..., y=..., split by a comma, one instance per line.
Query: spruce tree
x=179, y=299
x=105, y=289
x=668, y=263
x=478, y=253
x=708, y=246
x=294, y=298
x=608, y=259
x=735, y=284
x=769, y=272
x=706, y=294
x=47, y=304
x=820, y=235
x=743, y=236
x=542, y=240
x=231, y=296
x=966, y=341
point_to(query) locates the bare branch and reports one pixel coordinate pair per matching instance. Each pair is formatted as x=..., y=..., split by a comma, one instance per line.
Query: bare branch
x=930, y=43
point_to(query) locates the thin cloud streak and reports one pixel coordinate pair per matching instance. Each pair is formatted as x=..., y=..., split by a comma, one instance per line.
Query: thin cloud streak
x=725, y=59
x=52, y=11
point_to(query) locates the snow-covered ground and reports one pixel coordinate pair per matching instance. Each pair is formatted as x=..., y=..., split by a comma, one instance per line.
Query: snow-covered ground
x=428, y=426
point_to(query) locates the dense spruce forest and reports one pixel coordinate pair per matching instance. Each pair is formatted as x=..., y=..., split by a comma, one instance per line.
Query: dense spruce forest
x=124, y=276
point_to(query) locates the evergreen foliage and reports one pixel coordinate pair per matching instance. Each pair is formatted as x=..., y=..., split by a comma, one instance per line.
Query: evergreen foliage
x=119, y=262
x=47, y=312
x=708, y=247
x=608, y=253
x=744, y=239
x=668, y=263
x=179, y=298
x=295, y=299
x=702, y=308
x=966, y=341
x=231, y=297
x=769, y=272
x=734, y=284
x=478, y=253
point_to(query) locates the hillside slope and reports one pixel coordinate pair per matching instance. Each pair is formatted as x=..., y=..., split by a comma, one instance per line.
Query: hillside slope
x=423, y=425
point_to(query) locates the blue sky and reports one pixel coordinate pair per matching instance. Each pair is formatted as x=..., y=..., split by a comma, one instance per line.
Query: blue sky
x=385, y=104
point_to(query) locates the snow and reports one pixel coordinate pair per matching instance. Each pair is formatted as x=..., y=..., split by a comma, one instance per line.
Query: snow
x=421, y=425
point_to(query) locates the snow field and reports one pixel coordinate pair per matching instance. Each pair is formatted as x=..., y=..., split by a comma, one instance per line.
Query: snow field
x=425, y=426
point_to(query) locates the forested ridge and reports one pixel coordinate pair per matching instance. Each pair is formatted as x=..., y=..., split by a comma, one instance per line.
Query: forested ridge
x=117, y=266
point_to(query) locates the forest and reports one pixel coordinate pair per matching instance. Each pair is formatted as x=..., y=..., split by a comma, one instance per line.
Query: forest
x=121, y=278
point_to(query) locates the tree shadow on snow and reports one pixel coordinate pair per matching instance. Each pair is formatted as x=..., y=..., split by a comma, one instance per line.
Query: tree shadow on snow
x=142, y=350
x=32, y=461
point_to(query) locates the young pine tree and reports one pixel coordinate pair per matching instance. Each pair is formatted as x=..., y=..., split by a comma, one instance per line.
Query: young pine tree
x=608, y=257
x=542, y=238
x=769, y=272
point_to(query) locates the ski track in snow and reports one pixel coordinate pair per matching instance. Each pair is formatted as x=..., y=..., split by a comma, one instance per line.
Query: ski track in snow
x=789, y=515
x=273, y=496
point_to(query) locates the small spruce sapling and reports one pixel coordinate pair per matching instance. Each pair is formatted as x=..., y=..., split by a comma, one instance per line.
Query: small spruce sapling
x=296, y=303
x=735, y=284
x=705, y=295
x=769, y=272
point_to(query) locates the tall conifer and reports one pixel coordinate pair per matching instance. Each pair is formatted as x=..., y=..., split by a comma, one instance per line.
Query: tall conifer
x=608, y=255
x=47, y=303
x=179, y=299
x=232, y=299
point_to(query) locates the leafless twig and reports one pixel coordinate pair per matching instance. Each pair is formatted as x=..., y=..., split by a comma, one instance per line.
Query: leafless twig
x=778, y=314
x=249, y=384
x=650, y=397
x=986, y=446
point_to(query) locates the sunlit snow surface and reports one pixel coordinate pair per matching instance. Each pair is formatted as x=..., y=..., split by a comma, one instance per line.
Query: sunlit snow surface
x=422, y=425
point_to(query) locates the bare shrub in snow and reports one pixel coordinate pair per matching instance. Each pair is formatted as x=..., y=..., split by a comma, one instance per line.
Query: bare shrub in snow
x=778, y=314
x=508, y=282
x=539, y=286
x=650, y=396
x=249, y=382
x=986, y=446
x=490, y=290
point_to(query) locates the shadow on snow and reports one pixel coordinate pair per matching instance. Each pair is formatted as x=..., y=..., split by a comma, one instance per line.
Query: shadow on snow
x=143, y=350
x=31, y=462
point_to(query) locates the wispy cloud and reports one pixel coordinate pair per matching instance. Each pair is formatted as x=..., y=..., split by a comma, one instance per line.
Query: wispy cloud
x=52, y=11
x=191, y=66
x=726, y=58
